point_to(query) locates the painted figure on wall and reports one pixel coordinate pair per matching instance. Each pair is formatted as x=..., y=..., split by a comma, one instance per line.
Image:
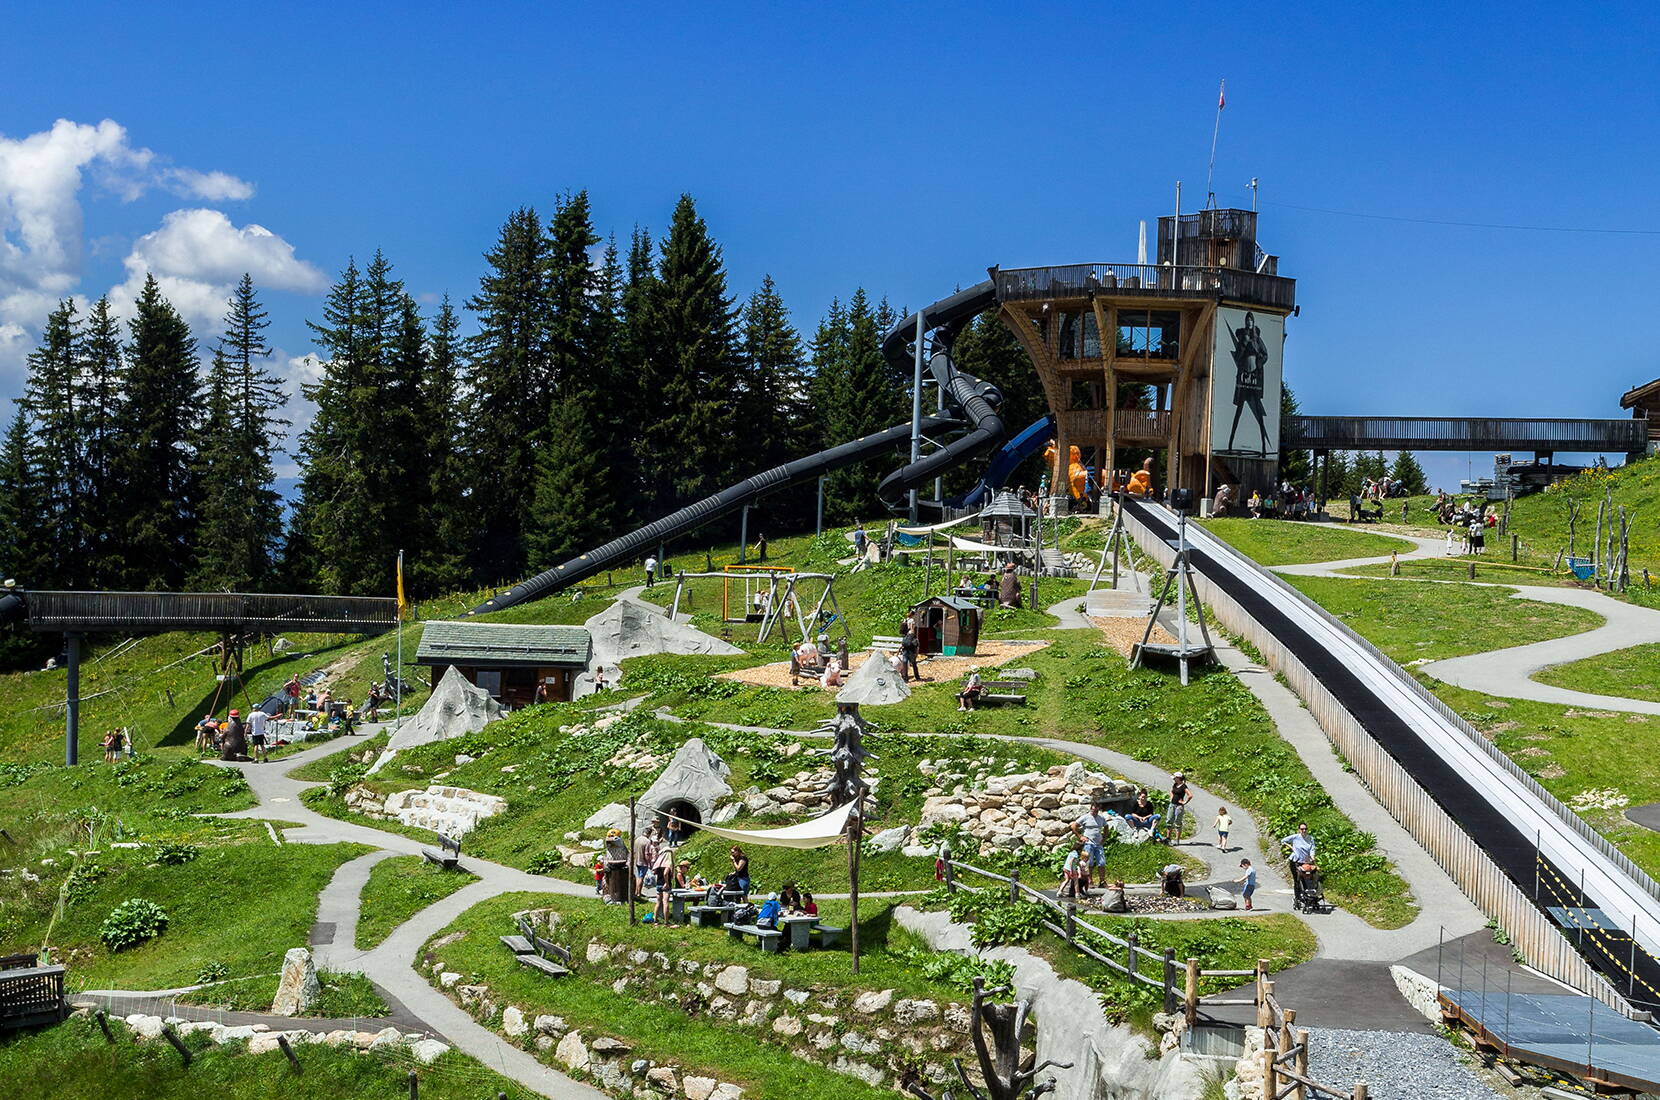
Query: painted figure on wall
x=1250, y=357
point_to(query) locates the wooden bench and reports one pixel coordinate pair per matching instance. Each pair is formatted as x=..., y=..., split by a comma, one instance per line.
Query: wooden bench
x=447, y=855
x=828, y=935
x=888, y=643
x=771, y=940
x=538, y=953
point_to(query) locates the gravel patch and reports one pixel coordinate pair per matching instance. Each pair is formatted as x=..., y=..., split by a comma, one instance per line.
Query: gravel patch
x=1396, y=1065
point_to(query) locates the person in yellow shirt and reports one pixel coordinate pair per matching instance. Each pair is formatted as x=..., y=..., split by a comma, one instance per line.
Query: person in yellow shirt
x=1141, y=482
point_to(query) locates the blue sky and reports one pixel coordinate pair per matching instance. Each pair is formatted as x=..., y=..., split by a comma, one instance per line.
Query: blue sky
x=899, y=147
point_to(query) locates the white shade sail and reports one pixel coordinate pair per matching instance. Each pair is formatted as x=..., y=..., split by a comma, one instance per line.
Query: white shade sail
x=820, y=832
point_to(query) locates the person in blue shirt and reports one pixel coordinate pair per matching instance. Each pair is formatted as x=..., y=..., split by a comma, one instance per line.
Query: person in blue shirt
x=770, y=911
x=1302, y=846
x=1248, y=884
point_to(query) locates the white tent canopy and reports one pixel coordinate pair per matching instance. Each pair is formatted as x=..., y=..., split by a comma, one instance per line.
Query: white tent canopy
x=820, y=832
x=986, y=547
x=937, y=526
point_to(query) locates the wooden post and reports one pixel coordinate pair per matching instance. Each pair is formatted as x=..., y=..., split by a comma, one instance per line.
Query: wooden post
x=1302, y=1063
x=1270, y=1077
x=1472, y=569
x=415, y=1082
x=1071, y=922
x=1285, y=1030
x=1169, y=979
x=630, y=880
x=1360, y=1090
x=178, y=1044
x=72, y=706
x=1129, y=954
x=1014, y=884
x=1515, y=547
x=104, y=1025
x=1265, y=1009
x=288, y=1052
x=950, y=872
x=1192, y=991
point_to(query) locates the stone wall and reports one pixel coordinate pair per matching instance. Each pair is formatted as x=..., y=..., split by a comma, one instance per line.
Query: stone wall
x=453, y=811
x=262, y=1040
x=876, y=1036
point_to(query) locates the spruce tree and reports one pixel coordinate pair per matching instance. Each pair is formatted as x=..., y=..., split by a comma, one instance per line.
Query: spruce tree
x=1406, y=471
x=52, y=401
x=774, y=392
x=571, y=301
x=446, y=541
x=222, y=558
x=509, y=379
x=869, y=396
x=612, y=385
x=691, y=362
x=566, y=513
x=102, y=381
x=156, y=461
x=987, y=350
x=21, y=558
x=828, y=363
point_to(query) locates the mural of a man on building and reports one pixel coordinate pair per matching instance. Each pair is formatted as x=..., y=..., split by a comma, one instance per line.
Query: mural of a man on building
x=1250, y=358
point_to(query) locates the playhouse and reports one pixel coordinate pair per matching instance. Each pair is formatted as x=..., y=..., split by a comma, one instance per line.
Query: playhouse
x=947, y=625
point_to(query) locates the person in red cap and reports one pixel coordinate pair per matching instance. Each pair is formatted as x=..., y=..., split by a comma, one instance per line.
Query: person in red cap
x=234, y=746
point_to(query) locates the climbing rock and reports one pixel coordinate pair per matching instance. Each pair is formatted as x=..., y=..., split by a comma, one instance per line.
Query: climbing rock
x=695, y=775
x=869, y=1004
x=427, y=1051
x=733, y=980
x=455, y=707
x=513, y=1023
x=298, y=989
x=572, y=1053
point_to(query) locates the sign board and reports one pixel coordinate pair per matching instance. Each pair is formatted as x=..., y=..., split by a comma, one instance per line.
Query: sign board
x=1247, y=371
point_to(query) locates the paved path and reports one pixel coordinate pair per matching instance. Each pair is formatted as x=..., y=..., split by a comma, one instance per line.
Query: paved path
x=391, y=964
x=1508, y=673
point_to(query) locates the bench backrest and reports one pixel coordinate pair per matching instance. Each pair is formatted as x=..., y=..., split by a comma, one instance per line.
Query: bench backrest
x=449, y=844
x=548, y=947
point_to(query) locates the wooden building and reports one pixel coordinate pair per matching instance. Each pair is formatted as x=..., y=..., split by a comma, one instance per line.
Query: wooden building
x=1644, y=403
x=947, y=625
x=508, y=660
x=1127, y=353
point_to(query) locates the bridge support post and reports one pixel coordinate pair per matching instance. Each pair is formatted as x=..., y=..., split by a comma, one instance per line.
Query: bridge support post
x=72, y=709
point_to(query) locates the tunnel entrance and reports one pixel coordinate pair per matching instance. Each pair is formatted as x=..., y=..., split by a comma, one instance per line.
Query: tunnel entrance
x=688, y=815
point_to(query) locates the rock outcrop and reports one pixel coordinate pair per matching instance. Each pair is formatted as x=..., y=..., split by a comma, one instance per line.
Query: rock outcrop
x=455, y=707
x=298, y=988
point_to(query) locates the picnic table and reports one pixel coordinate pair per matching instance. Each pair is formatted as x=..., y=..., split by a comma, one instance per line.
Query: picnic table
x=677, y=904
x=798, y=930
x=705, y=915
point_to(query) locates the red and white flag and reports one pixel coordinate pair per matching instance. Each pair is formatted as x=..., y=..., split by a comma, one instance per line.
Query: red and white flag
x=1222, y=96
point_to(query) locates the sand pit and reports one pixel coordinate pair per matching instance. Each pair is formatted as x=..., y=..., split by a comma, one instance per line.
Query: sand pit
x=935, y=669
x=1124, y=634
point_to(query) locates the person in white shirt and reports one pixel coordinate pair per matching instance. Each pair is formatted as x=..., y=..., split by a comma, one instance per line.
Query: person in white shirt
x=257, y=721
x=651, y=571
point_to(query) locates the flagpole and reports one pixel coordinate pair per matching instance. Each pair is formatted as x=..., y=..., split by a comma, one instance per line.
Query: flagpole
x=397, y=673
x=1210, y=173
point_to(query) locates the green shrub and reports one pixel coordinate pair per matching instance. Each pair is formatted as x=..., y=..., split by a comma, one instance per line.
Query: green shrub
x=212, y=972
x=172, y=853
x=83, y=878
x=958, y=970
x=545, y=863
x=131, y=923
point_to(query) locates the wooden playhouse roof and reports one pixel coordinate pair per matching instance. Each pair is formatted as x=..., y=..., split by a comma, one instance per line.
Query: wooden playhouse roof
x=503, y=644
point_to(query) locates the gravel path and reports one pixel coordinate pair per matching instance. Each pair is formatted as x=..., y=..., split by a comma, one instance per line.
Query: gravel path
x=1396, y=1066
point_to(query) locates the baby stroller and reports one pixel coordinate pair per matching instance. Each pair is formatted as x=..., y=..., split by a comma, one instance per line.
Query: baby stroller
x=1307, y=894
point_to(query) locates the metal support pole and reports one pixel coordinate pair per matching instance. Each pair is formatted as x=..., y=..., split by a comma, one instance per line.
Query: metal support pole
x=72, y=721
x=916, y=406
x=818, y=523
x=743, y=537
x=630, y=879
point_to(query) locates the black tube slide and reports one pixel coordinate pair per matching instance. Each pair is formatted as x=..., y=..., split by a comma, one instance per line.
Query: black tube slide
x=693, y=516
x=976, y=400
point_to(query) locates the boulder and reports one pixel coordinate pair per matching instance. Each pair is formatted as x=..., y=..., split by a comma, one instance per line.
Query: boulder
x=572, y=1052
x=760, y=987
x=1220, y=898
x=890, y=840
x=787, y=1026
x=915, y=1012
x=448, y=978
x=607, y=1047
x=726, y=1091
x=733, y=980
x=870, y=1003
x=427, y=1051
x=298, y=989
x=874, y=683
x=455, y=708
x=698, y=1088
x=549, y=1025
x=1027, y=674
x=614, y=816
x=513, y=1023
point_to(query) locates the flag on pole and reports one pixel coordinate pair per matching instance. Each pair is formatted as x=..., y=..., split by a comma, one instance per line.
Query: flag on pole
x=1222, y=96
x=403, y=601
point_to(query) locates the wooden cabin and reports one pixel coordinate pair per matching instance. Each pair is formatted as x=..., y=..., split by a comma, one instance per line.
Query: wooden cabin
x=947, y=625
x=508, y=660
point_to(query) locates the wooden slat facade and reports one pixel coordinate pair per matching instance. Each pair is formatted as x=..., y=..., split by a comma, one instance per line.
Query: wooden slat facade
x=224, y=612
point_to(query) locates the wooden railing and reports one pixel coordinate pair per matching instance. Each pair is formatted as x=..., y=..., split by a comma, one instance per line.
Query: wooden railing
x=1285, y=1051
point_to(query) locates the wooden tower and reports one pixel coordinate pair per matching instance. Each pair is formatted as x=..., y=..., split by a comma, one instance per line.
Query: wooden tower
x=1176, y=353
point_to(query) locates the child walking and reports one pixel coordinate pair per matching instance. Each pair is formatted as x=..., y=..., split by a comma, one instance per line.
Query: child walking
x=1075, y=866
x=1248, y=884
x=1222, y=824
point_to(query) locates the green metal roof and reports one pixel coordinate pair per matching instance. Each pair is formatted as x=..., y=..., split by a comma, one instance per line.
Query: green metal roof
x=447, y=643
x=956, y=602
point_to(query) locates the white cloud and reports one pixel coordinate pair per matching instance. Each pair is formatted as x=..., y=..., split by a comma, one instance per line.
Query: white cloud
x=197, y=257
x=42, y=236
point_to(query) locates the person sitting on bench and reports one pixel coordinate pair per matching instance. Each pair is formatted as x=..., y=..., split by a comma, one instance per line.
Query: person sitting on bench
x=771, y=910
x=971, y=692
x=1143, y=816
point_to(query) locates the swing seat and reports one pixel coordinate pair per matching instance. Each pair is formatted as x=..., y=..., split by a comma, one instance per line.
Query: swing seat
x=1583, y=568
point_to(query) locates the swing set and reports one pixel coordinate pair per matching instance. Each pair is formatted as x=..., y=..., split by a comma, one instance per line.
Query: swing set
x=771, y=597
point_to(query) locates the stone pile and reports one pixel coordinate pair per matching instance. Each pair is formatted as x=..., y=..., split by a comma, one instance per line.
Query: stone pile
x=805, y=792
x=453, y=811
x=1024, y=808
x=262, y=1040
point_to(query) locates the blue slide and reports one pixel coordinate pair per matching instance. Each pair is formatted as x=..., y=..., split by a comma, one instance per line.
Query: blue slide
x=1004, y=462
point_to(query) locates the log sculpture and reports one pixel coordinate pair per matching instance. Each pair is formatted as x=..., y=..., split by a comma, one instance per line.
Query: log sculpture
x=1007, y=1075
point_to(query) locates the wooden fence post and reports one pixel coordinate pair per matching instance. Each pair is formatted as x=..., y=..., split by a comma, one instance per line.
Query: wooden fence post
x=950, y=875
x=1014, y=884
x=1270, y=1078
x=1192, y=992
x=1169, y=979
x=104, y=1025
x=1515, y=544
x=1129, y=953
x=178, y=1044
x=1302, y=1063
x=1071, y=922
x=415, y=1082
x=288, y=1052
x=1360, y=1090
x=1265, y=1007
